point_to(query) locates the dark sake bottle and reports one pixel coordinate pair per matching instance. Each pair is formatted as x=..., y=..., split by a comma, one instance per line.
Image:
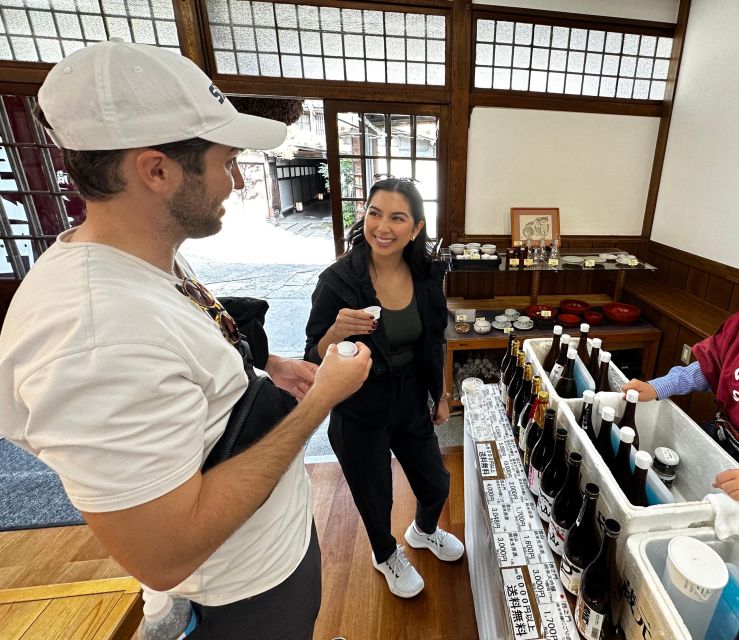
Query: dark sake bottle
x=542, y=452
x=637, y=490
x=515, y=384
x=582, y=343
x=566, y=505
x=629, y=417
x=621, y=465
x=582, y=541
x=602, y=384
x=559, y=365
x=527, y=413
x=553, y=352
x=553, y=476
x=603, y=441
x=566, y=387
x=586, y=417
x=594, y=360
x=522, y=397
x=598, y=595
x=509, y=370
x=534, y=429
x=507, y=357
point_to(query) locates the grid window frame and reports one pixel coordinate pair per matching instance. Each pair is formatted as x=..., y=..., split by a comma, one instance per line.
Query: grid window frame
x=48, y=31
x=584, y=61
x=371, y=45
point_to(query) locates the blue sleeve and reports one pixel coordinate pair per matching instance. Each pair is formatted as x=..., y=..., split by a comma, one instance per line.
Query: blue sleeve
x=680, y=380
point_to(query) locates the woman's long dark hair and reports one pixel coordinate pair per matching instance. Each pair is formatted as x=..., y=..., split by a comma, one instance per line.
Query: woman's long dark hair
x=416, y=252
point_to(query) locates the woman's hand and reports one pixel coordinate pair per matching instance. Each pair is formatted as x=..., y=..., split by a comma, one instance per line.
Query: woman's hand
x=728, y=481
x=646, y=390
x=442, y=411
x=352, y=322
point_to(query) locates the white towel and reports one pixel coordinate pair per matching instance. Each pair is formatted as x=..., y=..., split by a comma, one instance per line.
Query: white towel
x=726, y=510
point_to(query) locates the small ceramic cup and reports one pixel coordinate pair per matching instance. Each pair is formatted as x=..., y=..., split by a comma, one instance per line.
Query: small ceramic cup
x=480, y=320
x=373, y=311
x=501, y=319
x=346, y=349
x=525, y=321
x=511, y=314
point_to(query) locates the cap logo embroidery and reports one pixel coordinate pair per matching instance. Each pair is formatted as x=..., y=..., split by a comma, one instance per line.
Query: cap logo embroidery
x=216, y=94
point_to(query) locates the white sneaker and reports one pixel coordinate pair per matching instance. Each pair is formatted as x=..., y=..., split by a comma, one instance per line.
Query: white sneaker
x=442, y=544
x=402, y=578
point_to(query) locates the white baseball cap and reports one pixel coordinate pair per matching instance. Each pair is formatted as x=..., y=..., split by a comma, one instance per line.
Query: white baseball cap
x=118, y=95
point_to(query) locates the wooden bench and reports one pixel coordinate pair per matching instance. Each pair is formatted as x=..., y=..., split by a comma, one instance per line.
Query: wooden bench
x=694, y=313
x=108, y=609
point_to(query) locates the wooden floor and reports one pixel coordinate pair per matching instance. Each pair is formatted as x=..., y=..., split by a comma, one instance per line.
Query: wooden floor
x=356, y=601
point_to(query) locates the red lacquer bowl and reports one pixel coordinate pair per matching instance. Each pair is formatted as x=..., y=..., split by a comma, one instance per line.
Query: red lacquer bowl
x=578, y=307
x=593, y=318
x=621, y=313
x=569, y=319
x=534, y=311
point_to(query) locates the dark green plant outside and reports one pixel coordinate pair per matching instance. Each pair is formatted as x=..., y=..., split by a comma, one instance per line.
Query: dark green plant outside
x=348, y=185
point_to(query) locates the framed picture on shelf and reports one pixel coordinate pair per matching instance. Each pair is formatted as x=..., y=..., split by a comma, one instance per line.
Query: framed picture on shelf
x=534, y=223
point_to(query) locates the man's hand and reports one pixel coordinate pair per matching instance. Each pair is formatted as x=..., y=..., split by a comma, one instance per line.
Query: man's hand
x=295, y=376
x=442, y=411
x=646, y=390
x=728, y=481
x=338, y=378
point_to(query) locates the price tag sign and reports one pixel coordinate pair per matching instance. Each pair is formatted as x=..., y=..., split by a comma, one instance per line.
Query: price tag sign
x=633, y=263
x=521, y=605
x=508, y=330
x=461, y=317
x=528, y=262
x=590, y=263
x=545, y=313
x=518, y=243
x=514, y=262
x=553, y=262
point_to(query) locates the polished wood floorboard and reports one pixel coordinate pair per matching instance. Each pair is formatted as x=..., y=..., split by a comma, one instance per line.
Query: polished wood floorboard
x=356, y=601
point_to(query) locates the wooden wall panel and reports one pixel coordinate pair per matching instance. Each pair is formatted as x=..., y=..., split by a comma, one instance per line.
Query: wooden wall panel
x=734, y=304
x=697, y=282
x=719, y=292
x=678, y=274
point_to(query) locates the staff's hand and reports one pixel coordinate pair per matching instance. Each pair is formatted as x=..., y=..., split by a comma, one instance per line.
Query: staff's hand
x=352, y=322
x=728, y=481
x=442, y=411
x=646, y=391
x=295, y=376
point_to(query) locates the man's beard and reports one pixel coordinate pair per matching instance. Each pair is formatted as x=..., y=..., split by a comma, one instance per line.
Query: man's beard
x=193, y=209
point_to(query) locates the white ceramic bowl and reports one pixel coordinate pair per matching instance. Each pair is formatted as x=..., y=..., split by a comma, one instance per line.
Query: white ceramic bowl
x=473, y=245
x=457, y=250
x=487, y=250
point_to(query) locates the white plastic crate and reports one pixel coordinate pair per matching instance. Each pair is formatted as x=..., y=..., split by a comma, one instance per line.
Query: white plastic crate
x=646, y=610
x=660, y=423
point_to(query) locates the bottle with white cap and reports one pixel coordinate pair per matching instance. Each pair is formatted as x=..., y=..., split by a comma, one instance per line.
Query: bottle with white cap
x=622, y=466
x=582, y=343
x=603, y=441
x=166, y=617
x=602, y=384
x=636, y=490
x=553, y=352
x=586, y=417
x=629, y=417
x=559, y=366
x=594, y=360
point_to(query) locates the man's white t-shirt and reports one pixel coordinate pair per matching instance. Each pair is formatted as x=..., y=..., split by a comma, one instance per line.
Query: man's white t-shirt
x=122, y=385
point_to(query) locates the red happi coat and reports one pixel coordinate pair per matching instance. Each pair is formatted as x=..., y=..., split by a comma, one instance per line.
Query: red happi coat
x=718, y=356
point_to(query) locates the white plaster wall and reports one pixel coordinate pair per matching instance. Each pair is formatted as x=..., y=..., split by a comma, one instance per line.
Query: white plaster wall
x=594, y=167
x=657, y=10
x=698, y=203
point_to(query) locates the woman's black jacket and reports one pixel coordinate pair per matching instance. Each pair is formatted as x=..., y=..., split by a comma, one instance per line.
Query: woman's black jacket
x=346, y=283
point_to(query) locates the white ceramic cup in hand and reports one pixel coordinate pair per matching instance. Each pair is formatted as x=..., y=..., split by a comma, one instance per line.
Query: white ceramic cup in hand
x=373, y=311
x=347, y=349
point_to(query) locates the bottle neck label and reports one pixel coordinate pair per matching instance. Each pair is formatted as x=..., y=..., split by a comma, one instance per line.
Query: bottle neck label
x=556, y=374
x=556, y=537
x=589, y=623
x=570, y=575
x=544, y=506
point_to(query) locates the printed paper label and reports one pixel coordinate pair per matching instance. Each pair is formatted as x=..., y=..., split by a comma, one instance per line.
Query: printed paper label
x=506, y=517
x=545, y=583
x=633, y=263
x=508, y=330
x=590, y=263
x=486, y=459
x=556, y=374
x=553, y=262
x=528, y=262
x=556, y=537
x=509, y=549
x=557, y=621
x=570, y=575
x=518, y=243
x=589, y=622
x=544, y=506
x=534, y=480
x=509, y=490
x=520, y=603
x=535, y=546
x=512, y=467
x=514, y=262
x=545, y=313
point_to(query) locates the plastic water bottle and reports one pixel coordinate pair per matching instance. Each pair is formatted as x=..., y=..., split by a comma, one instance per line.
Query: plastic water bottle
x=166, y=617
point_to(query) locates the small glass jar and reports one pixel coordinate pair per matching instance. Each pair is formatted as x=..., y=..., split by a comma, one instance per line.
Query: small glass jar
x=665, y=465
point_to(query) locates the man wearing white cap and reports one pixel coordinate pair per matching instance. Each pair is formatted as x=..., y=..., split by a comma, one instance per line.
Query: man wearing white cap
x=114, y=369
